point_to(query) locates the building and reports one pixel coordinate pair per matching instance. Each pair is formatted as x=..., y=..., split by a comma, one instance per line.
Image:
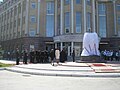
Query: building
x=75, y=17
x=24, y=24
x=41, y=24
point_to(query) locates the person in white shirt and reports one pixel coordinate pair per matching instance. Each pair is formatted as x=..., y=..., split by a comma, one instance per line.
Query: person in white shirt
x=57, y=55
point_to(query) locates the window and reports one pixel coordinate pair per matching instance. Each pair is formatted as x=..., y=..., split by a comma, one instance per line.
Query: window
x=67, y=22
x=67, y=1
x=19, y=8
x=88, y=2
x=8, y=3
x=102, y=19
x=118, y=20
x=50, y=7
x=58, y=25
x=5, y=16
x=23, y=20
x=102, y=9
x=88, y=22
x=50, y=19
x=78, y=22
x=33, y=19
x=8, y=15
x=58, y=4
x=15, y=23
x=32, y=32
x=2, y=17
x=24, y=5
x=19, y=22
x=15, y=10
x=118, y=7
x=7, y=26
x=11, y=12
x=11, y=25
x=33, y=5
x=78, y=1
x=50, y=26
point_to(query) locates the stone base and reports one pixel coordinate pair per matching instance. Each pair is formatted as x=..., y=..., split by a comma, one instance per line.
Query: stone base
x=91, y=59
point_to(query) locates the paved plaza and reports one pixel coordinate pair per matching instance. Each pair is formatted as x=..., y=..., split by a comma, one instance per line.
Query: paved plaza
x=70, y=69
x=21, y=81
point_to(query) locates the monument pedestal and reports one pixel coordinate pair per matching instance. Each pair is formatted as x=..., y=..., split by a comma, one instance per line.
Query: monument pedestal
x=91, y=59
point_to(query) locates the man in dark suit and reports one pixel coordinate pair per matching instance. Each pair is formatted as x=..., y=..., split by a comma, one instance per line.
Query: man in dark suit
x=17, y=56
x=25, y=56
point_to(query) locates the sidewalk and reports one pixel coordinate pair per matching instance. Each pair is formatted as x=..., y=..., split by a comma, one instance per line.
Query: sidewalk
x=70, y=69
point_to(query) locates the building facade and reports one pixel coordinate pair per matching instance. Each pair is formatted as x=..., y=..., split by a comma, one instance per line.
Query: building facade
x=26, y=24
x=75, y=17
x=45, y=24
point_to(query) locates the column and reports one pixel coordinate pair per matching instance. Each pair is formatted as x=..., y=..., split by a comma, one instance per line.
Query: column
x=84, y=14
x=72, y=16
x=56, y=24
x=97, y=17
x=61, y=16
x=114, y=6
x=55, y=45
x=61, y=46
x=93, y=15
x=13, y=22
x=10, y=24
x=7, y=26
x=21, y=20
x=38, y=21
x=17, y=22
x=26, y=21
x=5, y=34
x=72, y=46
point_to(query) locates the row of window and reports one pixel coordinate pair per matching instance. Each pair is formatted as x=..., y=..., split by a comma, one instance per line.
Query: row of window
x=50, y=21
x=10, y=14
x=33, y=6
x=8, y=4
x=50, y=10
x=78, y=22
x=78, y=1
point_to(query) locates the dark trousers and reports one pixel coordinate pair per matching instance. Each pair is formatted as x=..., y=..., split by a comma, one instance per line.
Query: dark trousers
x=73, y=58
x=25, y=60
x=17, y=61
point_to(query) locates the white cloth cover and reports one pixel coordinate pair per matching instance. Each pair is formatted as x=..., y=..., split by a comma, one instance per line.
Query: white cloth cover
x=90, y=44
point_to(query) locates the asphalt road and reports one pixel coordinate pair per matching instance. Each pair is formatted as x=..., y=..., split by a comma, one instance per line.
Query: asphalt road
x=17, y=81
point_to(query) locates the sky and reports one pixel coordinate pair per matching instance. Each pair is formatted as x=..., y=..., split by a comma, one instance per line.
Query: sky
x=1, y=0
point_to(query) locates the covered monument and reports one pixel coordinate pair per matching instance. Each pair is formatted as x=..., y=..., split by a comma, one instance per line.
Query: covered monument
x=90, y=51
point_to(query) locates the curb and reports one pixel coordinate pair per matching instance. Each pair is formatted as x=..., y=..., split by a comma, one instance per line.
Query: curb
x=52, y=69
x=2, y=68
x=66, y=75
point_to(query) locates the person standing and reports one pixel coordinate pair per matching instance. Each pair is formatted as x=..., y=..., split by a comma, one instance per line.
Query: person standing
x=42, y=57
x=17, y=56
x=73, y=55
x=32, y=56
x=63, y=56
x=52, y=55
x=57, y=55
x=25, y=56
x=119, y=55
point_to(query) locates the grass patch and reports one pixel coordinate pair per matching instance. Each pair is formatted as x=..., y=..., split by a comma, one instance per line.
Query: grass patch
x=5, y=65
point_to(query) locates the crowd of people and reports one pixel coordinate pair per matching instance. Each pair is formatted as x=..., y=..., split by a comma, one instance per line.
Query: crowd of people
x=55, y=55
x=41, y=56
x=111, y=55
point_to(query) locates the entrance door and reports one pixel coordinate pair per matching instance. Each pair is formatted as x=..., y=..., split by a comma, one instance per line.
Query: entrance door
x=77, y=51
